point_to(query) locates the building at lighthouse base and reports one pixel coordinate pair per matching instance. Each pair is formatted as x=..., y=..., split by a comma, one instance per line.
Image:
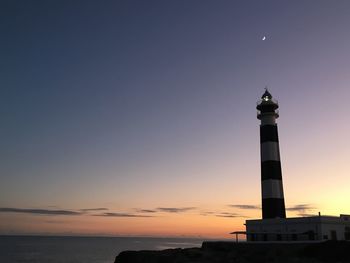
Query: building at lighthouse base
x=313, y=228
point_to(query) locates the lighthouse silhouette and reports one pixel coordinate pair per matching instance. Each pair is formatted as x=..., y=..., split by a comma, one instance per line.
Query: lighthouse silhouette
x=274, y=226
x=271, y=174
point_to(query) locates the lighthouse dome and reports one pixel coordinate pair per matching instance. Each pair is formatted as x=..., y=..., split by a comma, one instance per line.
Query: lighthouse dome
x=266, y=96
x=267, y=105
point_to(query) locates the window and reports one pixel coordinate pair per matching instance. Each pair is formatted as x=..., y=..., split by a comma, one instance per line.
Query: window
x=252, y=237
x=279, y=237
x=311, y=235
x=333, y=235
x=347, y=233
x=325, y=236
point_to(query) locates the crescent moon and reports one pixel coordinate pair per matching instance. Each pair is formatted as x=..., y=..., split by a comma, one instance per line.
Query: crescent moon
x=263, y=38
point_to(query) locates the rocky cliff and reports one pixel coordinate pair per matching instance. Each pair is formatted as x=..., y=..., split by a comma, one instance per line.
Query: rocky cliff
x=227, y=252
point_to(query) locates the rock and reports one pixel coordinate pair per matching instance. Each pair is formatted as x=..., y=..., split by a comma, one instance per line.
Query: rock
x=231, y=252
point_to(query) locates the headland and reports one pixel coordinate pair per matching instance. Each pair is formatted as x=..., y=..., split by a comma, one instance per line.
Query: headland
x=245, y=252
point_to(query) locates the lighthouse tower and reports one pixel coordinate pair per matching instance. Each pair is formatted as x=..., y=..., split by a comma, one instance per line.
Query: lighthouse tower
x=271, y=173
x=274, y=226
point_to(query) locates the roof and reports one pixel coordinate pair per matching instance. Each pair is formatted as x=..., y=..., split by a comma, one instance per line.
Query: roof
x=266, y=94
x=269, y=232
x=310, y=219
x=239, y=232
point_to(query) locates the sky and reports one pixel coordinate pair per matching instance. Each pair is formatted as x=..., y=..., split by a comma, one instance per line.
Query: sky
x=138, y=118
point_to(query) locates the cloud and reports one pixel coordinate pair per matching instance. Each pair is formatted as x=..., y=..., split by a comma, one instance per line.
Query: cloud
x=300, y=208
x=247, y=207
x=166, y=209
x=228, y=214
x=146, y=211
x=39, y=211
x=175, y=209
x=121, y=215
x=55, y=221
x=94, y=209
x=222, y=214
x=206, y=213
x=84, y=211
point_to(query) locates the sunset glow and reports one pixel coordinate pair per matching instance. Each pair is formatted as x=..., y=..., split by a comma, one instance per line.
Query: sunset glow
x=139, y=119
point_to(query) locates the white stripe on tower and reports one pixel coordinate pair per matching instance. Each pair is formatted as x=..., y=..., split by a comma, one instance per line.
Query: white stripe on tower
x=270, y=151
x=271, y=173
x=272, y=188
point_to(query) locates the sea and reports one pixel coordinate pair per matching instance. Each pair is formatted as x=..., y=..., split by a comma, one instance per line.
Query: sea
x=58, y=249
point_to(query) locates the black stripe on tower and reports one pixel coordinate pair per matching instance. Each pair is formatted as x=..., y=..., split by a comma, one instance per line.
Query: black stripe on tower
x=268, y=133
x=273, y=207
x=271, y=170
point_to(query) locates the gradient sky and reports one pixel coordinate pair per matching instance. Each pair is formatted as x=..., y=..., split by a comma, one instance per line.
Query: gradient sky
x=138, y=117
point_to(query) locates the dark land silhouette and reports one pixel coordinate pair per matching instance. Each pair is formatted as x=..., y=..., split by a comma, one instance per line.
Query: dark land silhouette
x=227, y=252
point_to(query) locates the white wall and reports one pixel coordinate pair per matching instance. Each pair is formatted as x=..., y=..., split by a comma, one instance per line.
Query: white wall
x=321, y=226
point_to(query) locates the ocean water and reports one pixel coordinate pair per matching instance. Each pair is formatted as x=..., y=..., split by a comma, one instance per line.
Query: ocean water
x=42, y=249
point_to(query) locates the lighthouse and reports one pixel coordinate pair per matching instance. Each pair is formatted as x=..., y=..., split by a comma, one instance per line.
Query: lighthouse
x=274, y=226
x=271, y=173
